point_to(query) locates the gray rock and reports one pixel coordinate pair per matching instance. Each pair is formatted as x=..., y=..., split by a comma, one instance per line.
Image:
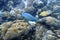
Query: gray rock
x=50, y=21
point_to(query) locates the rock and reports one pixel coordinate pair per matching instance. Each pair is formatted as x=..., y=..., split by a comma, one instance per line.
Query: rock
x=40, y=31
x=28, y=3
x=39, y=4
x=45, y=13
x=6, y=14
x=56, y=12
x=22, y=5
x=31, y=10
x=1, y=14
x=5, y=27
x=10, y=30
x=12, y=13
x=51, y=21
x=16, y=13
x=49, y=36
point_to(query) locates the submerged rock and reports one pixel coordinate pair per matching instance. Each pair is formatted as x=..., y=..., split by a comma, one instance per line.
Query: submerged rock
x=14, y=29
x=51, y=21
x=31, y=10
x=39, y=3
x=40, y=31
x=45, y=13
x=49, y=36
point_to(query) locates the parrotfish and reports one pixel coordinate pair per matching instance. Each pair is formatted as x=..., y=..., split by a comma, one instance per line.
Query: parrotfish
x=29, y=17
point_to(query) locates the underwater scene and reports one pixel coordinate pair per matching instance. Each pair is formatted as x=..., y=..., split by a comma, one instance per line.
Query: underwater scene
x=29, y=19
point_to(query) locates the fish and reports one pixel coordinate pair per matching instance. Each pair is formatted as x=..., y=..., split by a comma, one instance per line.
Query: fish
x=29, y=17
